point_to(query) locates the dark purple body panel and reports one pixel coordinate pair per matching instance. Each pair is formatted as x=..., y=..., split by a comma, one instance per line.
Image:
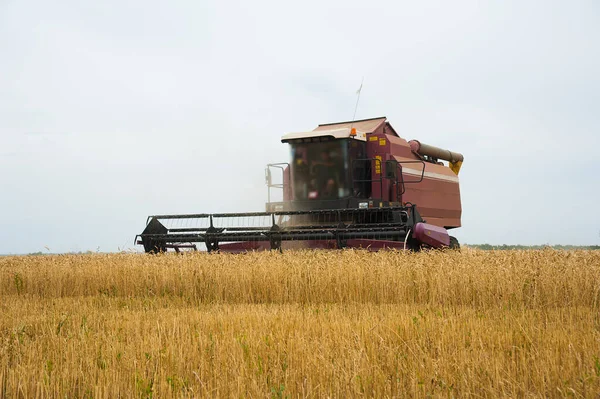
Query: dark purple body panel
x=370, y=245
x=244, y=246
x=431, y=235
x=375, y=245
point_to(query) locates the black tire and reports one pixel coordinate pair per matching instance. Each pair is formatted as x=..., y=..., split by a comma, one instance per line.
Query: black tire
x=413, y=244
x=454, y=243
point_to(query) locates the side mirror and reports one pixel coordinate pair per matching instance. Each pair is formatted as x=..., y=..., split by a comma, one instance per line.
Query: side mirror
x=391, y=169
x=268, y=176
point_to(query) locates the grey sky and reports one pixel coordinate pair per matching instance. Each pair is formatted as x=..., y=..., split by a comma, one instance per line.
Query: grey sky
x=111, y=111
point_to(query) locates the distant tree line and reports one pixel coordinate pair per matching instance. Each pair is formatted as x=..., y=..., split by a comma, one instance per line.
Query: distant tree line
x=39, y=253
x=507, y=247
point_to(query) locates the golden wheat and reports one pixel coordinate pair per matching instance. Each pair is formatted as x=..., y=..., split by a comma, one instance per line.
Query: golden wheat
x=300, y=324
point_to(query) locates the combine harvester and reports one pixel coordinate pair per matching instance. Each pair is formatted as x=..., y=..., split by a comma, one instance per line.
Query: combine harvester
x=348, y=185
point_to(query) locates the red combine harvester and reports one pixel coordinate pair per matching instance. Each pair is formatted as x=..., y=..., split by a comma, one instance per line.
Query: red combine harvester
x=352, y=184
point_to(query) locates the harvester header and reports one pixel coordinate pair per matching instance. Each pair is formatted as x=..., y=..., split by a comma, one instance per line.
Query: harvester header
x=348, y=184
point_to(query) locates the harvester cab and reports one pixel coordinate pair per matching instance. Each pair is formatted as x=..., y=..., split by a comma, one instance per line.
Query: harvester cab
x=349, y=184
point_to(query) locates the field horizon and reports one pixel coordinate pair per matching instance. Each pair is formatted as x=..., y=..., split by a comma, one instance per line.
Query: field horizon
x=486, y=247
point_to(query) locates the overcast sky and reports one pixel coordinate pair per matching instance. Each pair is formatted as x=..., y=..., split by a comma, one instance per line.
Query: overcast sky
x=114, y=110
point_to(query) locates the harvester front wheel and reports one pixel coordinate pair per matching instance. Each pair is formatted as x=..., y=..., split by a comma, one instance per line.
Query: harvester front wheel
x=454, y=243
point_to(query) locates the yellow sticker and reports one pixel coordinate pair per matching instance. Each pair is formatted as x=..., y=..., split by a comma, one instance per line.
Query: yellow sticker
x=373, y=138
x=382, y=142
x=378, y=164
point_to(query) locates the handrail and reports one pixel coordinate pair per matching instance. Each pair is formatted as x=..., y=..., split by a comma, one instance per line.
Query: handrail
x=279, y=165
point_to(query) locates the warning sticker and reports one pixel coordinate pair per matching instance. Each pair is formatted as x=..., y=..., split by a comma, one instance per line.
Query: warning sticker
x=373, y=138
x=382, y=142
x=378, y=164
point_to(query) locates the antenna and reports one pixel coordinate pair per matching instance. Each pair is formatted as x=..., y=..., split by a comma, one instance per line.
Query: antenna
x=357, y=100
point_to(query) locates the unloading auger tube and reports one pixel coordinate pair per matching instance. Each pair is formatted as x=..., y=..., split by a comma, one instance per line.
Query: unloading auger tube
x=454, y=158
x=372, y=228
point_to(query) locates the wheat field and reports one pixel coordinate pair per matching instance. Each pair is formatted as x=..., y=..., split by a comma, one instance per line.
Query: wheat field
x=301, y=324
